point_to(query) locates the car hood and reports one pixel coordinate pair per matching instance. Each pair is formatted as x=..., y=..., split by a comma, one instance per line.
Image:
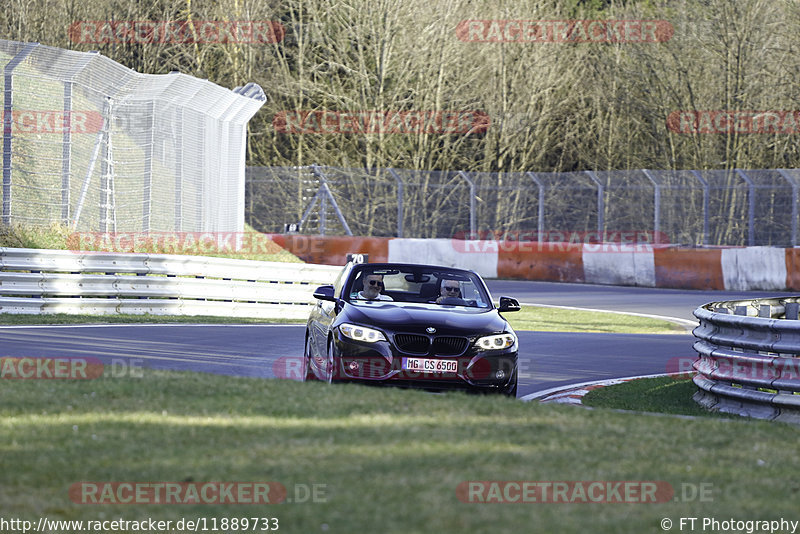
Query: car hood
x=408, y=317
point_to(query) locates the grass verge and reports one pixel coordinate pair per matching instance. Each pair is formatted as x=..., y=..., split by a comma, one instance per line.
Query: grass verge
x=671, y=395
x=65, y=318
x=562, y=320
x=258, y=246
x=529, y=318
x=384, y=460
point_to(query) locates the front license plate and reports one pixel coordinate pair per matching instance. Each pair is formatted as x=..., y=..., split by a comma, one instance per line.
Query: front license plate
x=426, y=365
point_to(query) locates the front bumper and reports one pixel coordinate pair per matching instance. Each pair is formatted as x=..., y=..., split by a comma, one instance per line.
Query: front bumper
x=382, y=362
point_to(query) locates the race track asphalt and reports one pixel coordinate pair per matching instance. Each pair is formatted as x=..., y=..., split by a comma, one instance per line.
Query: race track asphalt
x=547, y=359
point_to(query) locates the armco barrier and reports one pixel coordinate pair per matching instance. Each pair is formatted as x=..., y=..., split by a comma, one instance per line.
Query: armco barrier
x=749, y=360
x=59, y=281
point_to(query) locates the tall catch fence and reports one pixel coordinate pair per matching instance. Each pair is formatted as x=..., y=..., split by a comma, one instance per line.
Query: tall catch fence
x=687, y=207
x=94, y=145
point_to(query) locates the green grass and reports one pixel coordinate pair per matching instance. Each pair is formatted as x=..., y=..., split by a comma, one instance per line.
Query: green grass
x=388, y=460
x=672, y=395
x=65, y=318
x=569, y=320
x=60, y=237
x=529, y=318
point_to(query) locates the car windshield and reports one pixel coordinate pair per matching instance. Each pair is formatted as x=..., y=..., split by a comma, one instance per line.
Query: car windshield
x=418, y=284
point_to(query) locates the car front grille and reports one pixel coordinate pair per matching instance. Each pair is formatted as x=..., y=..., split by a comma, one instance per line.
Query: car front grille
x=441, y=345
x=449, y=346
x=412, y=343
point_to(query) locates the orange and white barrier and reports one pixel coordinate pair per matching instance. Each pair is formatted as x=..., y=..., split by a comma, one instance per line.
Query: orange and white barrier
x=733, y=268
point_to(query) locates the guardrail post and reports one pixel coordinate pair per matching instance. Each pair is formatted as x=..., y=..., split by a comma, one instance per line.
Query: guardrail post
x=792, y=311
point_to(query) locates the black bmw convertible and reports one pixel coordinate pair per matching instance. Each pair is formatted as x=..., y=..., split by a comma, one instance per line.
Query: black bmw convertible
x=411, y=325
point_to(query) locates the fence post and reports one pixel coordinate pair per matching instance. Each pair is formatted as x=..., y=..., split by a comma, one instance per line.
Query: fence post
x=656, y=207
x=178, y=144
x=794, y=205
x=400, y=195
x=66, y=138
x=540, y=215
x=147, y=186
x=601, y=204
x=8, y=110
x=705, y=206
x=472, y=230
x=751, y=208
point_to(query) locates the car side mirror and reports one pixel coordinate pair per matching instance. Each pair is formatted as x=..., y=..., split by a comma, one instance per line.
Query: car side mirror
x=324, y=293
x=507, y=304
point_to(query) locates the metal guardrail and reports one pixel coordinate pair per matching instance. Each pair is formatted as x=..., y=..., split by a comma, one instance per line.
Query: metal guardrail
x=60, y=281
x=749, y=360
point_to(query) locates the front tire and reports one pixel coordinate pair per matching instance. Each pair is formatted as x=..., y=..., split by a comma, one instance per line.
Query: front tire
x=306, y=373
x=332, y=363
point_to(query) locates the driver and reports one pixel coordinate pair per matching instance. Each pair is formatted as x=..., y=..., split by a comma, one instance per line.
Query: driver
x=448, y=288
x=373, y=285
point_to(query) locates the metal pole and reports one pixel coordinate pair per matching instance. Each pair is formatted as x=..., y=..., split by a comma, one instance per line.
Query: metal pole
x=705, y=206
x=794, y=205
x=327, y=193
x=751, y=208
x=601, y=204
x=66, y=153
x=400, y=195
x=147, y=186
x=656, y=207
x=8, y=110
x=178, y=144
x=472, y=207
x=66, y=138
x=85, y=188
x=104, y=163
x=540, y=218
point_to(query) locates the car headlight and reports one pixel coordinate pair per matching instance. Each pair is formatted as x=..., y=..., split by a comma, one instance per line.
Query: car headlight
x=496, y=342
x=361, y=333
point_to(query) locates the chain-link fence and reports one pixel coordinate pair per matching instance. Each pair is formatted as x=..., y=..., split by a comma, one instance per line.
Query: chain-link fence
x=716, y=207
x=94, y=145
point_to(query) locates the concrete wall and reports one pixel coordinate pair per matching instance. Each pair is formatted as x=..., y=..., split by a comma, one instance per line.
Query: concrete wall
x=744, y=268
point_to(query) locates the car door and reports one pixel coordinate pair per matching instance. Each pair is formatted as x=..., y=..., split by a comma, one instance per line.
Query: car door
x=324, y=315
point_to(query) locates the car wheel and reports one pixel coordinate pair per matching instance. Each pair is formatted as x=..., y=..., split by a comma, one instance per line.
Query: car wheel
x=332, y=363
x=306, y=373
